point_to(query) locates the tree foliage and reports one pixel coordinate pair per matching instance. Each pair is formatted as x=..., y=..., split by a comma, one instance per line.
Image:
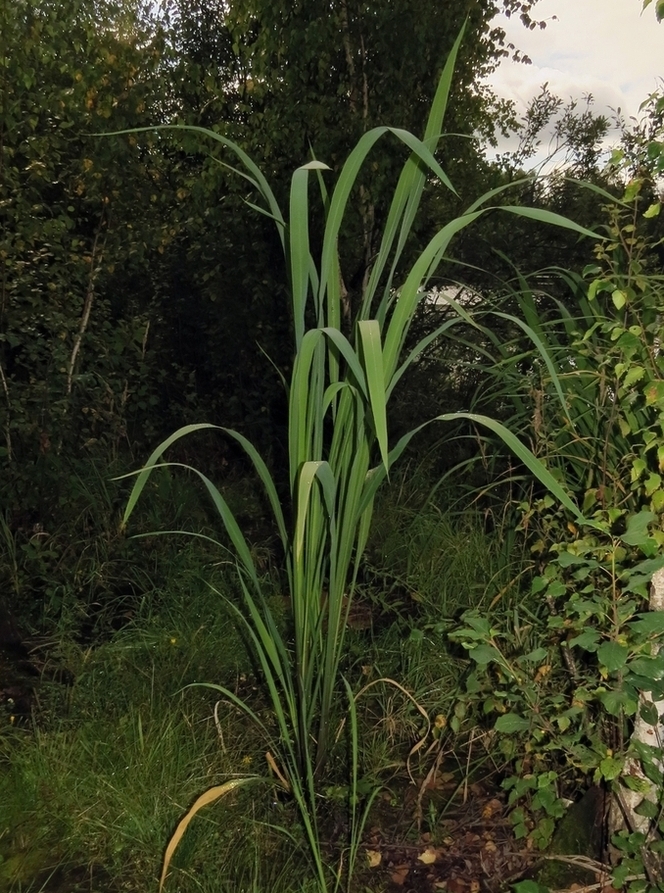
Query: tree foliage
x=70, y=211
x=137, y=285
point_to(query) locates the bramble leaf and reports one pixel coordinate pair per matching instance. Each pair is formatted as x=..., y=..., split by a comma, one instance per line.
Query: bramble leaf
x=510, y=723
x=637, y=528
x=612, y=655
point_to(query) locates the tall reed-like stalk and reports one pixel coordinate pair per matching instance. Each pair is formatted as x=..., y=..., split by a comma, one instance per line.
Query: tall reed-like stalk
x=339, y=452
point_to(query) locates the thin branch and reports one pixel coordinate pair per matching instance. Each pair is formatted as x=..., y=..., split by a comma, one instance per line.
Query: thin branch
x=8, y=436
x=349, y=54
x=87, y=305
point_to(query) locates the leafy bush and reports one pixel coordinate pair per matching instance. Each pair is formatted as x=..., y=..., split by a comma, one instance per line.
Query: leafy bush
x=564, y=708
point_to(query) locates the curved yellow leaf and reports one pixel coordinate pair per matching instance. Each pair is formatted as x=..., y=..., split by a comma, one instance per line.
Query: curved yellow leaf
x=205, y=799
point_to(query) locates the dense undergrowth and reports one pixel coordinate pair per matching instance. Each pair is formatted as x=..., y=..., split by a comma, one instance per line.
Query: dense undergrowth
x=484, y=619
x=117, y=747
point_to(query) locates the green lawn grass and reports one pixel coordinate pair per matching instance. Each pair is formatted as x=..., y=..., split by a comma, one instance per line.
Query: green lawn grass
x=93, y=784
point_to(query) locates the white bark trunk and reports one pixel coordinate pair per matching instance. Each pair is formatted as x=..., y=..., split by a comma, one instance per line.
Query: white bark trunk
x=625, y=802
x=645, y=733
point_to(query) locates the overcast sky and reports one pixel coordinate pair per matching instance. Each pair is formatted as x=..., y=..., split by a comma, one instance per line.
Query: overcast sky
x=604, y=47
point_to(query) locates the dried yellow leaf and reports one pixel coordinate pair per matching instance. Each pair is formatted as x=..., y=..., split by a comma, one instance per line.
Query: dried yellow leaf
x=205, y=799
x=542, y=672
x=374, y=858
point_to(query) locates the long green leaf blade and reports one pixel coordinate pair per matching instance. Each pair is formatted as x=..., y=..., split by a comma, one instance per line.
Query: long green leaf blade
x=372, y=355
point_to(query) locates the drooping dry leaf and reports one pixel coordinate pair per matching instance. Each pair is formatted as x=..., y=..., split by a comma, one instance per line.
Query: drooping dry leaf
x=205, y=799
x=273, y=766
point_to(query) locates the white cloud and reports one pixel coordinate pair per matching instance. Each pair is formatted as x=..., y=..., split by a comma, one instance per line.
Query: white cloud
x=606, y=48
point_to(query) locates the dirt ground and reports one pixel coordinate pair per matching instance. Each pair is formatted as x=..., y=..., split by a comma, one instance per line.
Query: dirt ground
x=473, y=850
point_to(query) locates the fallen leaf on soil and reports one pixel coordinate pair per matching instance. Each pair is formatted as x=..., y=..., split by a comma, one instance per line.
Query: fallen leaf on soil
x=428, y=856
x=374, y=858
x=400, y=874
x=493, y=807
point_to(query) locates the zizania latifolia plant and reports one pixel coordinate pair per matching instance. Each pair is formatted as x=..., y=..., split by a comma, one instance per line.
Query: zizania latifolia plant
x=338, y=456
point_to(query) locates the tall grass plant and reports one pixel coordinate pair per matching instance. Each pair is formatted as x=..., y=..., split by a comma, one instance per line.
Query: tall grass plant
x=338, y=450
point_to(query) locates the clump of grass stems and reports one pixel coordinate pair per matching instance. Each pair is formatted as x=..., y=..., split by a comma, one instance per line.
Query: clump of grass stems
x=86, y=787
x=338, y=450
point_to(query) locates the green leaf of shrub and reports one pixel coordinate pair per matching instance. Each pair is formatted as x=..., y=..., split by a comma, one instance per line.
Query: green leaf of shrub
x=632, y=190
x=635, y=374
x=615, y=702
x=587, y=640
x=653, y=482
x=567, y=559
x=612, y=655
x=637, y=529
x=649, y=623
x=538, y=585
x=636, y=783
x=557, y=588
x=477, y=623
x=529, y=887
x=640, y=684
x=619, y=299
x=510, y=723
x=536, y=656
x=640, y=574
x=610, y=768
x=649, y=667
x=652, y=772
x=648, y=809
x=484, y=654
x=649, y=714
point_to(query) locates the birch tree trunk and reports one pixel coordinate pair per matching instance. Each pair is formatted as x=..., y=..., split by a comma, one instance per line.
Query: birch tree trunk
x=626, y=801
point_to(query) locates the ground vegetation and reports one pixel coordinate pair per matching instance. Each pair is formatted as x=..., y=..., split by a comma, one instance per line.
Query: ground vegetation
x=342, y=671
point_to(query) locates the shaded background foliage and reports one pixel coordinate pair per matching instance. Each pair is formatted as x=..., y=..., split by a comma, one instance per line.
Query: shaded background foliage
x=139, y=291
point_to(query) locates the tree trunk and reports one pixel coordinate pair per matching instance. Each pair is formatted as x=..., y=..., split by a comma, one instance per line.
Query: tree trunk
x=623, y=814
